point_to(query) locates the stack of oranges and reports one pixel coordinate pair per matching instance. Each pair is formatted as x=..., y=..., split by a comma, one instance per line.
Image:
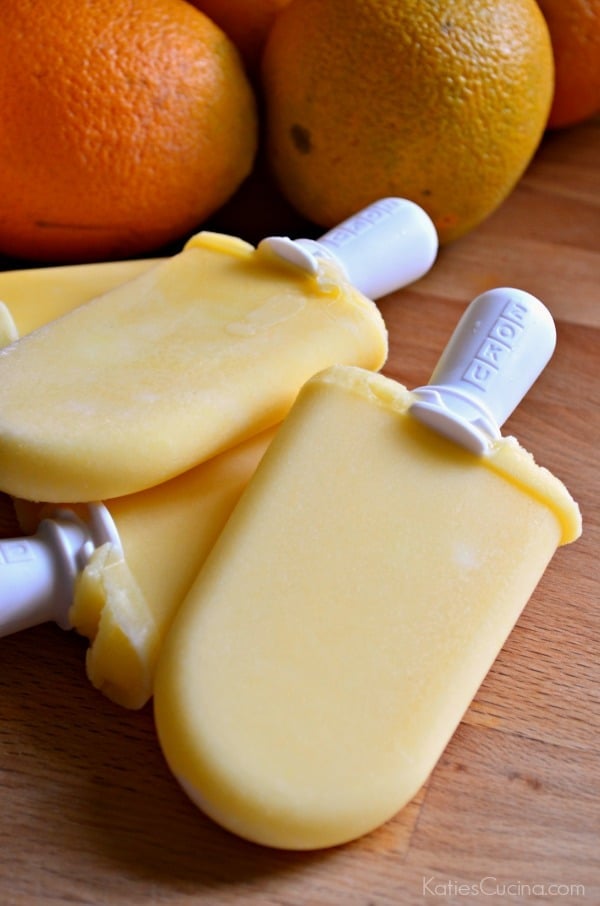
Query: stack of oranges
x=125, y=126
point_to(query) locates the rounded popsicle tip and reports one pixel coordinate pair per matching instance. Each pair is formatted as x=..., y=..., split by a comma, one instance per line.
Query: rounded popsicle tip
x=382, y=248
x=499, y=348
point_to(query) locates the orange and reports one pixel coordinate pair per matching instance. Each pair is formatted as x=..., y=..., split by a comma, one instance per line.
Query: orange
x=575, y=34
x=247, y=22
x=443, y=103
x=124, y=125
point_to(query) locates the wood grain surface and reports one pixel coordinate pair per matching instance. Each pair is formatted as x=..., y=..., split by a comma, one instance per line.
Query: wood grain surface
x=89, y=813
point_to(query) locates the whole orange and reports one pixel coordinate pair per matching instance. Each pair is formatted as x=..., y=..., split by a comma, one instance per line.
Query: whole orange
x=124, y=125
x=575, y=34
x=247, y=22
x=443, y=103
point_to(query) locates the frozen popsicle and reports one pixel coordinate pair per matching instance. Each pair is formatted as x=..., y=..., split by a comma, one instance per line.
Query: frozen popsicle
x=199, y=353
x=118, y=573
x=361, y=590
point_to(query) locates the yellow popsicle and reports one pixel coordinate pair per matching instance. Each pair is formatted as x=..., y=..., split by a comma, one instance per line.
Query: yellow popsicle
x=192, y=357
x=197, y=354
x=348, y=612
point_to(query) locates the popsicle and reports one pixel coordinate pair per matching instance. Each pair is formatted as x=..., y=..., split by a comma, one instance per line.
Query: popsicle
x=361, y=590
x=196, y=355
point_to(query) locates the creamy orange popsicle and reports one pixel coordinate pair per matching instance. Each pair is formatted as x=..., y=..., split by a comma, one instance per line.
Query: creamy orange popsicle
x=190, y=358
x=359, y=593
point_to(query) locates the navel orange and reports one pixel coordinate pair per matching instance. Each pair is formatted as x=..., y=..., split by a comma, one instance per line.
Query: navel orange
x=443, y=103
x=247, y=22
x=575, y=34
x=124, y=125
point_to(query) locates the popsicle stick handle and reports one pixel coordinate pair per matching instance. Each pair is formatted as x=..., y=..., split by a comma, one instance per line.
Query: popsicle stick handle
x=382, y=248
x=37, y=573
x=499, y=348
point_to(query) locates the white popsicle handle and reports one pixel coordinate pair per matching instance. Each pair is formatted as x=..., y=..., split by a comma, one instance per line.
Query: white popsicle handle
x=382, y=248
x=499, y=348
x=37, y=573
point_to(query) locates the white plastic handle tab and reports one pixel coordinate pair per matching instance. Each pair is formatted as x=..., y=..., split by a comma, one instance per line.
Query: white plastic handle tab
x=499, y=348
x=380, y=249
x=37, y=573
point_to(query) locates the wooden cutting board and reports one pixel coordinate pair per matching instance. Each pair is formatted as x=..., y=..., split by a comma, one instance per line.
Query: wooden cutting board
x=89, y=813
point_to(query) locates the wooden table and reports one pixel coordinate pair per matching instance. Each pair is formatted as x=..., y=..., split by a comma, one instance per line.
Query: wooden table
x=89, y=813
